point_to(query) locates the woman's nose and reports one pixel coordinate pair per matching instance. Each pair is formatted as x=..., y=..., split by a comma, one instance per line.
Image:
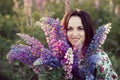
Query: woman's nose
x=75, y=33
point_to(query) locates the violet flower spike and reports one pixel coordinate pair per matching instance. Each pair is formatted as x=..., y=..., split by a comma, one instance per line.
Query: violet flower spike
x=68, y=64
x=54, y=35
x=98, y=39
x=21, y=53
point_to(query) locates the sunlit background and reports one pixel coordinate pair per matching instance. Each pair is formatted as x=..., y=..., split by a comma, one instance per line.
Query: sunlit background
x=19, y=16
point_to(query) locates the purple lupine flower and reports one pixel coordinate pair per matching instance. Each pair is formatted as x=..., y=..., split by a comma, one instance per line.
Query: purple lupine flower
x=55, y=35
x=46, y=61
x=21, y=53
x=67, y=64
x=98, y=39
x=29, y=40
x=36, y=47
x=67, y=6
x=35, y=51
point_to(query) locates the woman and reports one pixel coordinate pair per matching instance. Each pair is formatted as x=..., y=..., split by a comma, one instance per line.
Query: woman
x=79, y=27
x=55, y=63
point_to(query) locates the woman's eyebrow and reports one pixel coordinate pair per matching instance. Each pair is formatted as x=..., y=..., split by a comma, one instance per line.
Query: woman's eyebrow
x=80, y=26
x=69, y=26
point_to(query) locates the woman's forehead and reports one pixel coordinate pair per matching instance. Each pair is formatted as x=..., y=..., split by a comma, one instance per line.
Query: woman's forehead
x=75, y=21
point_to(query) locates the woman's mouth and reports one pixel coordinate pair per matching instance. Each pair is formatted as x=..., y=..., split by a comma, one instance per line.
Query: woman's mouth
x=75, y=39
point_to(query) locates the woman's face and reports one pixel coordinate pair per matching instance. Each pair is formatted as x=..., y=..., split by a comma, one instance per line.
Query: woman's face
x=75, y=31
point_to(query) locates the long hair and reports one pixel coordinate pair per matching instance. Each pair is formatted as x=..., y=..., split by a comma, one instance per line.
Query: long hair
x=87, y=24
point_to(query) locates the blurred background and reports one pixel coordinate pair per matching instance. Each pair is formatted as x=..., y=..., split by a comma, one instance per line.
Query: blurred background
x=19, y=16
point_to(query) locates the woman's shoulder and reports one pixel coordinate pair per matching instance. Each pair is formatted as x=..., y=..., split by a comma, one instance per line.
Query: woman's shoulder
x=102, y=54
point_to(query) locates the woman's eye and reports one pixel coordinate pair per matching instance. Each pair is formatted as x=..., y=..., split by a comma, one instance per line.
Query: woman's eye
x=80, y=28
x=69, y=29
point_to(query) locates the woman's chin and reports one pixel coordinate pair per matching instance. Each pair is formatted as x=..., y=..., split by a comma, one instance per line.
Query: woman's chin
x=74, y=45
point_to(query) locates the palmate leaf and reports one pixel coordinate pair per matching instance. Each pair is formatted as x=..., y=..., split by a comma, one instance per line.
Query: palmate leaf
x=54, y=74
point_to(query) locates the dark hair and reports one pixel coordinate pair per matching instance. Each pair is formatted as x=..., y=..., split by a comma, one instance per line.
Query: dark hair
x=86, y=21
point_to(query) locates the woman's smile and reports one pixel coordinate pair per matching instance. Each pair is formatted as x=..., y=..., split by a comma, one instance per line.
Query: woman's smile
x=75, y=39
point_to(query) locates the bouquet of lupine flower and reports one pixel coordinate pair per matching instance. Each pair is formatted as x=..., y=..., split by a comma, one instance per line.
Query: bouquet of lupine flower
x=57, y=61
x=35, y=55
